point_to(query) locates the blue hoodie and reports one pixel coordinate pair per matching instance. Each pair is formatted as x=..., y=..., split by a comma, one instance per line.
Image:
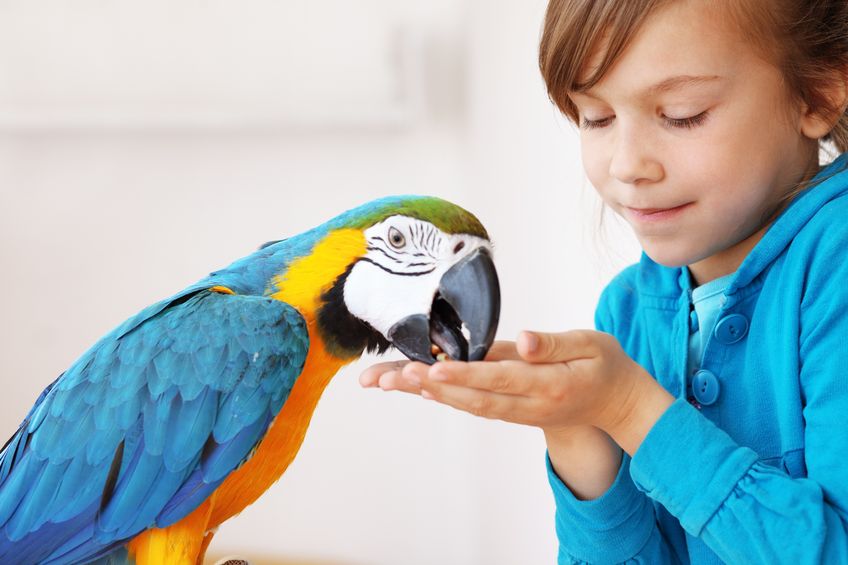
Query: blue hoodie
x=753, y=469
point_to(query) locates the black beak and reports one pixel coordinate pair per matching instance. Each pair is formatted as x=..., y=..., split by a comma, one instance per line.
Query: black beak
x=463, y=318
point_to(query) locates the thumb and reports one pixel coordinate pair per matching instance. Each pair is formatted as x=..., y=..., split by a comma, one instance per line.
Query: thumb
x=541, y=347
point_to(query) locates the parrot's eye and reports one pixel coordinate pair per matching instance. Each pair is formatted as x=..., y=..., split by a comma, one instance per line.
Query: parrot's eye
x=396, y=238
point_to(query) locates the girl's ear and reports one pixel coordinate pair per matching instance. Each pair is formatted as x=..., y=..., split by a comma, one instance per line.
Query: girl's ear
x=817, y=122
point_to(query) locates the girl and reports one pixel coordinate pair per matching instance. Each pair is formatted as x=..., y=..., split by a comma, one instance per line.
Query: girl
x=703, y=422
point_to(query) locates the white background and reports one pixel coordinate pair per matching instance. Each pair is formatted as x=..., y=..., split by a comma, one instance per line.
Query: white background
x=144, y=144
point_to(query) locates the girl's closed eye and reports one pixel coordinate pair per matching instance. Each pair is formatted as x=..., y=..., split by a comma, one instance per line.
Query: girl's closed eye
x=686, y=122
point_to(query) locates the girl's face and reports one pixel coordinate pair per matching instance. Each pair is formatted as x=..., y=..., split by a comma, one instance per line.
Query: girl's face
x=690, y=121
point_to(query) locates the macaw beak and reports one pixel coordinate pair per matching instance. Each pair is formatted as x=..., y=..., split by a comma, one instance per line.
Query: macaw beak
x=469, y=299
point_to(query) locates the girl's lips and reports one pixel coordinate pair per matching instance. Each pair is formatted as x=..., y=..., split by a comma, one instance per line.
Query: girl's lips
x=655, y=214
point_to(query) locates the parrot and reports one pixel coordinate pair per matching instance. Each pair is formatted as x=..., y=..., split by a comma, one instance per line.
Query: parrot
x=184, y=414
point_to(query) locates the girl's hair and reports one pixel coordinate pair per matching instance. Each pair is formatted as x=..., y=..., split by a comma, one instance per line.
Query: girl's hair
x=806, y=39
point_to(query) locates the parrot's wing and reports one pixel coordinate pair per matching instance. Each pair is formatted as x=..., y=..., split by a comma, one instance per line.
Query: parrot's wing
x=142, y=428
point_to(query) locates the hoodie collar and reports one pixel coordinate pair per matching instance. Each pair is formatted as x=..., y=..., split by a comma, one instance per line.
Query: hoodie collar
x=830, y=182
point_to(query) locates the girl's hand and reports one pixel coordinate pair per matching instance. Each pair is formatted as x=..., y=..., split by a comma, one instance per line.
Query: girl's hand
x=388, y=375
x=555, y=382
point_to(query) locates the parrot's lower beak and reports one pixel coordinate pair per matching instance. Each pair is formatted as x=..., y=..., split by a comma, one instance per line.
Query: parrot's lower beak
x=463, y=318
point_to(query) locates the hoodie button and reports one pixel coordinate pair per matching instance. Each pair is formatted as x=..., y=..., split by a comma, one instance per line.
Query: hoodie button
x=731, y=329
x=693, y=321
x=705, y=387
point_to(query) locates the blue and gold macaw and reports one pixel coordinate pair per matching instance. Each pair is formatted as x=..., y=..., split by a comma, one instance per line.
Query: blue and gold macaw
x=187, y=412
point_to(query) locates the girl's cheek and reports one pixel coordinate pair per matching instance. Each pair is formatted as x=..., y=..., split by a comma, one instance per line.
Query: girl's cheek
x=594, y=161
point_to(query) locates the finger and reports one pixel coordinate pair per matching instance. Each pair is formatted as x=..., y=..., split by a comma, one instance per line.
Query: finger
x=413, y=373
x=503, y=350
x=504, y=377
x=370, y=377
x=393, y=380
x=480, y=403
x=540, y=347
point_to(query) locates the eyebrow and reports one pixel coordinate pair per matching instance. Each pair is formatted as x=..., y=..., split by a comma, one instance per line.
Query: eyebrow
x=665, y=85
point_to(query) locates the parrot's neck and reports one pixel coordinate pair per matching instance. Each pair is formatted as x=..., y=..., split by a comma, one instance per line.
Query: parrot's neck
x=307, y=278
x=314, y=285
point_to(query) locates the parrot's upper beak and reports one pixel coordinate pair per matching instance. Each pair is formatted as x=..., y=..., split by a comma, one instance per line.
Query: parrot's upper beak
x=463, y=318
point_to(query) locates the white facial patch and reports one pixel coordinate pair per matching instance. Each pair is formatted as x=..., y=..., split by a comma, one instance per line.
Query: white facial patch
x=401, y=270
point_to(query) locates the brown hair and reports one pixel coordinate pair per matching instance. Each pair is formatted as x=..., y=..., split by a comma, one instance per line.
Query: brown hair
x=806, y=39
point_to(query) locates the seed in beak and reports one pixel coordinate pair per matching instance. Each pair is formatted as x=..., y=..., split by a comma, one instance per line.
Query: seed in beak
x=437, y=352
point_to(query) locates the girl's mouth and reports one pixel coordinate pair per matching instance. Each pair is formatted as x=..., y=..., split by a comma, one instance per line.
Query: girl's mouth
x=655, y=214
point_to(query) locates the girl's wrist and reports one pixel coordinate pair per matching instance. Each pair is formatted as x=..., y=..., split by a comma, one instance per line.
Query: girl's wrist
x=584, y=458
x=639, y=409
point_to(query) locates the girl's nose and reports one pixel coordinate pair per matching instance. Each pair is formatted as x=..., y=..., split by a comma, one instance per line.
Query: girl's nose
x=632, y=160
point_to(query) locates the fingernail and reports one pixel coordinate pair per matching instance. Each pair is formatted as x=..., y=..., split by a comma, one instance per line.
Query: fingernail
x=531, y=341
x=387, y=380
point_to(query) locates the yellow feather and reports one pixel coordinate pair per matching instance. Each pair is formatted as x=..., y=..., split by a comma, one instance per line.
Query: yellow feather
x=309, y=277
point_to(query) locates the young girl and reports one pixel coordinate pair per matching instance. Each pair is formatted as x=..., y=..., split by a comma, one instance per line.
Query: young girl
x=704, y=421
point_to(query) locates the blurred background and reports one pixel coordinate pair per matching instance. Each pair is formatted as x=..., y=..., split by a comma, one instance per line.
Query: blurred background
x=144, y=144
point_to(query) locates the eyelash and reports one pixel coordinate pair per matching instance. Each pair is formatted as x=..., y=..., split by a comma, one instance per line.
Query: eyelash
x=686, y=123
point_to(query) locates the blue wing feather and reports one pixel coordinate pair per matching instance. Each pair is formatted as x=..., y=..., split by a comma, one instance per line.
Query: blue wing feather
x=189, y=386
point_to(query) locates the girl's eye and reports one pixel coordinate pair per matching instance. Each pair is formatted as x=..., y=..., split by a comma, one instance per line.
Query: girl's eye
x=592, y=124
x=690, y=122
x=396, y=238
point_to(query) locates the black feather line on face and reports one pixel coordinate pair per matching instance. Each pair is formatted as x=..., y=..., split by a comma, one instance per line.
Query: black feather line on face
x=345, y=335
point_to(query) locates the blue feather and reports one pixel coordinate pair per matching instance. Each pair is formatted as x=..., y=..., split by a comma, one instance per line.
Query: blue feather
x=222, y=456
x=88, y=493
x=127, y=375
x=155, y=413
x=38, y=497
x=157, y=383
x=13, y=491
x=136, y=481
x=192, y=492
x=190, y=425
x=75, y=477
x=128, y=412
x=40, y=547
x=103, y=445
x=166, y=484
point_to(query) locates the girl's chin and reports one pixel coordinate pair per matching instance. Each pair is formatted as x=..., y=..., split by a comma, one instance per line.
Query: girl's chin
x=668, y=257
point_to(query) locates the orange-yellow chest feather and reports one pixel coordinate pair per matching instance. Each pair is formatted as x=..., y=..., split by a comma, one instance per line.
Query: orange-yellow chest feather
x=302, y=286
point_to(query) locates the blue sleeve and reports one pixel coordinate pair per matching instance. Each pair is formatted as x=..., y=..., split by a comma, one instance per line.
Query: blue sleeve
x=747, y=511
x=743, y=509
x=618, y=527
